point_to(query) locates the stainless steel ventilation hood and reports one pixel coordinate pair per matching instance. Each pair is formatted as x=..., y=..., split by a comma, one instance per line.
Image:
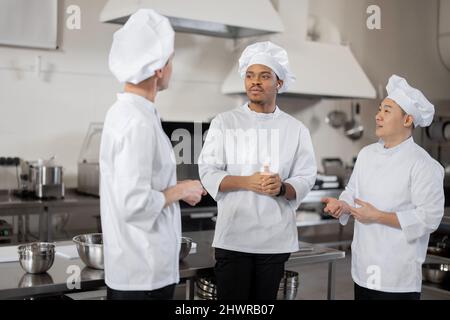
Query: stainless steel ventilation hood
x=228, y=19
x=322, y=69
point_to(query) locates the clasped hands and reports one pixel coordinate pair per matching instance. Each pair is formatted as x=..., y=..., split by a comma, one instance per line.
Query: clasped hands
x=263, y=183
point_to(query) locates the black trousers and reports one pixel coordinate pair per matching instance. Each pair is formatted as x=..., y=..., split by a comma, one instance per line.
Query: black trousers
x=248, y=276
x=362, y=293
x=165, y=293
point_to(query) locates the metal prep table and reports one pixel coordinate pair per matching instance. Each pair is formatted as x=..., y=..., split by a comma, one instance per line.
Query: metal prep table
x=319, y=254
x=11, y=205
x=16, y=284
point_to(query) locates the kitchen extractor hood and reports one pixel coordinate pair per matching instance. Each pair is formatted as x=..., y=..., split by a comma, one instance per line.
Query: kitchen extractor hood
x=444, y=32
x=228, y=19
x=322, y=69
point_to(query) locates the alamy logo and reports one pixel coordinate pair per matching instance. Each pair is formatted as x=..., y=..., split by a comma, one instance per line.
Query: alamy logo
x=73, y=21
x=74, y=279
x=374, y=20
x=374, y=278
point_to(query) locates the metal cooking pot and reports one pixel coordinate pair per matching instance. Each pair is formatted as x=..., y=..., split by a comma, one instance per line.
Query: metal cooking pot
x=46, y=181
x=46, y=175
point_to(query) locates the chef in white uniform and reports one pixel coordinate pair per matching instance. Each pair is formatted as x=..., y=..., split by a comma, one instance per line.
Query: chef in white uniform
x=139, y=192
x=396, y=196
x=258, y=164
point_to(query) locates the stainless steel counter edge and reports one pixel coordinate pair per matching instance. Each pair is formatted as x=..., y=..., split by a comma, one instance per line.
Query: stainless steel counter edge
x=22, y=293
x=300, y=258
x=193, y=265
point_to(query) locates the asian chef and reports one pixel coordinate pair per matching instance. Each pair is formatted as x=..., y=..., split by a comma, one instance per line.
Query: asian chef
x=396, y=196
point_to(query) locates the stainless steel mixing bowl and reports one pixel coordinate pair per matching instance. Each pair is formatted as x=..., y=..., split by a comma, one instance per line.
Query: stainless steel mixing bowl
x=90, y=249
x=36, y=257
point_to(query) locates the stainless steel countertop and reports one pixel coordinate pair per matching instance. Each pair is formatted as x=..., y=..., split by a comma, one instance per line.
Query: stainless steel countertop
x=72, y=199
x=11, y=204
x=9, y=201
x=15, y=283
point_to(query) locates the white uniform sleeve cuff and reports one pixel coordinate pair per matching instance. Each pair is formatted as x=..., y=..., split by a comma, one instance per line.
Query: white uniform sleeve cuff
x=301, y=190
x=343, y=219
x=347, y=197
x=159, y=200
x=212, y=183
x=411, y=225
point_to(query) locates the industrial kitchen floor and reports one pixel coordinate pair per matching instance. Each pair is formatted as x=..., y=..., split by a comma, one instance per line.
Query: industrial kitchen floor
x=313, y=283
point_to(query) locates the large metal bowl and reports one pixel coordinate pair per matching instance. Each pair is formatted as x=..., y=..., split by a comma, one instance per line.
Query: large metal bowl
x=36, y=257
x=90, y=249
x=435, y=272
x=186, y=245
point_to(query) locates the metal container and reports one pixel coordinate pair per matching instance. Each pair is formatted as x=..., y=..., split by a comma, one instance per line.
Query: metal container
x=46, y=181
x=206, y=288
x=435, y=272
x=186, y=245
x=288, y=286
x=36, y=257
x=90, y=249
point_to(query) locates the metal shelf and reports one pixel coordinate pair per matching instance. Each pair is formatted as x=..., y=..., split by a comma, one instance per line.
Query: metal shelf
x=321, y=222
x=438, y=259
x=435, y=287
x=328, y=240
x=316, y=222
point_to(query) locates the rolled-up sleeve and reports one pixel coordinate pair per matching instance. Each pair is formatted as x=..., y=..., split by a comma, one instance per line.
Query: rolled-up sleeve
x=427, y=196
x=136, y=199
x=211, y=162
x=304, y=169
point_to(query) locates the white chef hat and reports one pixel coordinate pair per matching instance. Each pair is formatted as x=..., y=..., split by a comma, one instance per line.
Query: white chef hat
x=270, y=55
x=411, y=100
x=142, y=46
